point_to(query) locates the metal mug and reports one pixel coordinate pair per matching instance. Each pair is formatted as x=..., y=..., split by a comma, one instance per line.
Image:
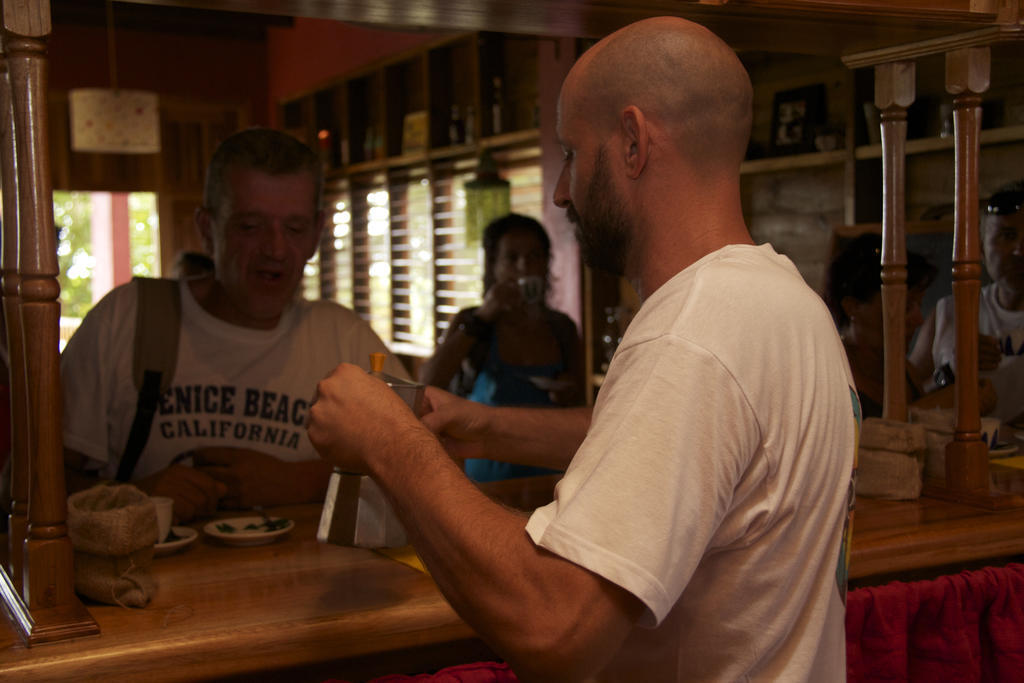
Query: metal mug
x=531, y=288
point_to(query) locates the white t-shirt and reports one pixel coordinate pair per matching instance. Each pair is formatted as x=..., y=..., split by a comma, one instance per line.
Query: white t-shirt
x=995, y=321
x=716, y=479
x=233, y=386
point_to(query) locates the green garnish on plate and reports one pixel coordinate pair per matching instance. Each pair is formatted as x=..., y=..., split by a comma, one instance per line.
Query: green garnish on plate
x=268, y=525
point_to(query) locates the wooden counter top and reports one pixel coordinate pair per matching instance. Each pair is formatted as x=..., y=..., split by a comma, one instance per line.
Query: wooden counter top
x=896, y=536
x=899, y=536
x=223, y=611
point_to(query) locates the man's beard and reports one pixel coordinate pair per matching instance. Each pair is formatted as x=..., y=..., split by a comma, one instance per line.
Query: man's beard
x=603, y=231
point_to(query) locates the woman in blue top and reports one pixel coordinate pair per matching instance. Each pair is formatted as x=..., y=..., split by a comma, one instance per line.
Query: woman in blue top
x=512, y=349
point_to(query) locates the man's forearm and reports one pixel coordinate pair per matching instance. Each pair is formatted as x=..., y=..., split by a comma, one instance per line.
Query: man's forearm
x=542, y=437
x=546, y=615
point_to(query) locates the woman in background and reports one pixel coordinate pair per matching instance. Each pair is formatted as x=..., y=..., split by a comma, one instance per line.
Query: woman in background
x=854, y=296
x=512, y=349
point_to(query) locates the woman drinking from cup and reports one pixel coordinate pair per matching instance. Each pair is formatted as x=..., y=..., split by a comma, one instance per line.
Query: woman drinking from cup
x=512, y=349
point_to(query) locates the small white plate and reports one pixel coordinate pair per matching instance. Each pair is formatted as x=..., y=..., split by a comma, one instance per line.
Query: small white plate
x=550, y=383
x=186, y=537
x=1002, y=450
x=247, y=530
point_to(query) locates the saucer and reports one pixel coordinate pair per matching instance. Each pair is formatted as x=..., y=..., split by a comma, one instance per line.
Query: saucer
x=550, y=383
x=1002, y=450
x=248, y=530
x=185, y=537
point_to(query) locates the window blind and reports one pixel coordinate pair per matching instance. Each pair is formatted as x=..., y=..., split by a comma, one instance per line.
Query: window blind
x=412, y=259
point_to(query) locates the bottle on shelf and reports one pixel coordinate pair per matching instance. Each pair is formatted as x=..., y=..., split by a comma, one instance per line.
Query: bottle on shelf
x=369, y=138
x=378, y=143
x=456, y=127
x=497, y=108
x=324, y=146
x=470, y=125
x=344, y=153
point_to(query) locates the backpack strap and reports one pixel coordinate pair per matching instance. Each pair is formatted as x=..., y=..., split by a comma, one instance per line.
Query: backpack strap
x=157, y=327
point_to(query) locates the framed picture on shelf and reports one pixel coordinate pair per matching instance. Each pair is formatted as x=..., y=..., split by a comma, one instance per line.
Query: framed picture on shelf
x=795, y=115
x=414, y=132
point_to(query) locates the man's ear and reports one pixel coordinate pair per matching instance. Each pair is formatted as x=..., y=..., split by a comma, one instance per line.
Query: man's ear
x=636, y=139
x=204, y=224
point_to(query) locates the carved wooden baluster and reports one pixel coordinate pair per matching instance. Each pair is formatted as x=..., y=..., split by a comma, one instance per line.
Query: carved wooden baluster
x=48, y=563
x=20, y=447
x=894, y=92
x=54, y=611
x=967, y=76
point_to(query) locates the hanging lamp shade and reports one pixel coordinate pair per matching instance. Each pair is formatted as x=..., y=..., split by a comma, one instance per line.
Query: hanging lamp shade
x=488, y=196
x=114, y=121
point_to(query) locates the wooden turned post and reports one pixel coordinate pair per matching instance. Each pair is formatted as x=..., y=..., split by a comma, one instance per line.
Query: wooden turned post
x=17, y=525
x=894, y=92
x=47, y=549
x=48, y=608
x=967, y=76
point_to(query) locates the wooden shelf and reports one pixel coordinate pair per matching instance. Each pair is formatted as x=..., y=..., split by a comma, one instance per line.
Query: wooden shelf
x=453, y=151
x=519, y=138
x=794, y=161
x=924, y=227
x=508, y=143
x=515, y=138
x=991, y=136
x=360, y=120
x=362, y=167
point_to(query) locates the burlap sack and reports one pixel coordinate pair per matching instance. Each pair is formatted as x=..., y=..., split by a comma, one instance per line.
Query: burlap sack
x=891, y=435
x=113, y=530
x=938, y=423
x=890, y=459
x=889, y=475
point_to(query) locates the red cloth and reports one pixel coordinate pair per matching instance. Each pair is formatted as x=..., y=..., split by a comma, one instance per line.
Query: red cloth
x=477, y=672
x=965, y=627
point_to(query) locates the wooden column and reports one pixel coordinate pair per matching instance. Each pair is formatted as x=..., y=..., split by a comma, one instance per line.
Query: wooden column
x=50, y=608
x=894, y=92
x=967, y=76
x=19, y=468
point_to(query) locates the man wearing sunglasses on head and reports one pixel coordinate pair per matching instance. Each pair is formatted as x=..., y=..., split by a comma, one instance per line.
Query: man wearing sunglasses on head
x=1000, y=312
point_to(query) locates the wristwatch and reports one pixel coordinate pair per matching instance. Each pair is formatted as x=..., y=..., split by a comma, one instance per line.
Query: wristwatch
x=476, y=327
x=943, y=376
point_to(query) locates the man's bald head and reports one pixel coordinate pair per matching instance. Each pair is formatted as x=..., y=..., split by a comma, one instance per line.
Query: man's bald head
x=682, y=76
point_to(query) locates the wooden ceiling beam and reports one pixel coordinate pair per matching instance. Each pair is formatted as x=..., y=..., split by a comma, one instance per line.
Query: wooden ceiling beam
x=820, y=27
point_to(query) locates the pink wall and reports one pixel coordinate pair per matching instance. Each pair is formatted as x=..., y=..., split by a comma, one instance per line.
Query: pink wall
x=315, y=51
x=555, y=61
x=218, y=68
